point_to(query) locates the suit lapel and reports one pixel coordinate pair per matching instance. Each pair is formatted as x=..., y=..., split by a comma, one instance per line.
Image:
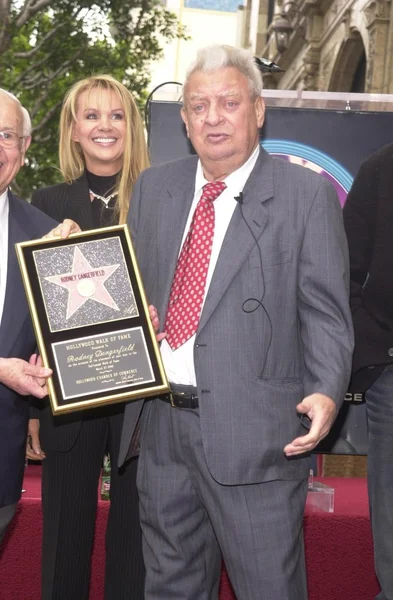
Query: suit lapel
x=239, y=240
x=176, y=202
x=19, y=230
x=79, y=203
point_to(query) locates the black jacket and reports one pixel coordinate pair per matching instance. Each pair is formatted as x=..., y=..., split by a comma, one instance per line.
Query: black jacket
x=368, y=219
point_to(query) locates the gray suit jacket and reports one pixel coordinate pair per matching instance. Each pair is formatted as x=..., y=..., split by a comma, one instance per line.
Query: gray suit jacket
x=252, y=368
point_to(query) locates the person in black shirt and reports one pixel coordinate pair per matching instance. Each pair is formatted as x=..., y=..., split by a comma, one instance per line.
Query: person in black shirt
x=368, y=221
x=102, y=150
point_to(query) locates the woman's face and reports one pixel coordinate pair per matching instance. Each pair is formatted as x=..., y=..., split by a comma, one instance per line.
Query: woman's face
x=100, y=129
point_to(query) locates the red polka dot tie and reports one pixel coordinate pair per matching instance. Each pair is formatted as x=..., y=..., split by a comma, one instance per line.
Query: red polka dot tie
x=189, y=282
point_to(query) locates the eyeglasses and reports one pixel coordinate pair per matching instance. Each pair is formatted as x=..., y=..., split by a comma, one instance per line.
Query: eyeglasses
x=9, y=139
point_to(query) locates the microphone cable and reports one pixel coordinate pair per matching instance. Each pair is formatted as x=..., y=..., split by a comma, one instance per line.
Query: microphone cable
x=254, y=301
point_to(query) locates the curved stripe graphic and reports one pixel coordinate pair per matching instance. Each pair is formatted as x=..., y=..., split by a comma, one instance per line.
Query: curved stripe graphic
x=322, y=160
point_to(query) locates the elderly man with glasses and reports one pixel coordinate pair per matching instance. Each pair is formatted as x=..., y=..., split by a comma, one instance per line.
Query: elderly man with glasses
x=20, y=372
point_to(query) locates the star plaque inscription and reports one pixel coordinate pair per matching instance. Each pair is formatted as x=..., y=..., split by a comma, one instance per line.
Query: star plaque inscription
x=91, y=319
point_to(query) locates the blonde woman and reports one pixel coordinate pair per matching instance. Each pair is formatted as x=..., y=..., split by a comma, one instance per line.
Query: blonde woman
x=102, y=150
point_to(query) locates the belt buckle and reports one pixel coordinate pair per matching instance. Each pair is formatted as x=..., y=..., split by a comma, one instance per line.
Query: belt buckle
x=172, y=399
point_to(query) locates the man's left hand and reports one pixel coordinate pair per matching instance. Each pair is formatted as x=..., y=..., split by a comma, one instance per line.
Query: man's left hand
x=321, y=410
x=156, y=323
x=63, y=230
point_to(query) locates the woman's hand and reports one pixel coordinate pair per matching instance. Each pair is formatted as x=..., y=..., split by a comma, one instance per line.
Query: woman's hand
x=64, y=230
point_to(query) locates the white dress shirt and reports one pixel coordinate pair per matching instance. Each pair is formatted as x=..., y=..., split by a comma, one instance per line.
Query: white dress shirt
x=4, y=209
x=179, y=364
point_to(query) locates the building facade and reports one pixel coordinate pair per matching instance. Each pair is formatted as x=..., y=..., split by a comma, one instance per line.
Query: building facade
x=207, y=22
x=325, y=45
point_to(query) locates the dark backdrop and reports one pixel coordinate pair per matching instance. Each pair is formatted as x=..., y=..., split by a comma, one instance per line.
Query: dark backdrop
x=333, y=142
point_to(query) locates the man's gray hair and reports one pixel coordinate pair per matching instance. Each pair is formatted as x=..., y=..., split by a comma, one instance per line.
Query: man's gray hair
x=213, y=58
x=25, y=114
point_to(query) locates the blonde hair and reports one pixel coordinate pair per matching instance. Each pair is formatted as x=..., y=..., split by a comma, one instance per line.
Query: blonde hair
x=135, y=157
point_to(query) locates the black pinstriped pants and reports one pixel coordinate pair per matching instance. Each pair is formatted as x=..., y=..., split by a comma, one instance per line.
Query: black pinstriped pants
x=69, y=495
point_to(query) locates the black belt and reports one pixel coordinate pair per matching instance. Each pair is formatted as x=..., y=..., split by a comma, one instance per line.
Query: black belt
x=179, y=399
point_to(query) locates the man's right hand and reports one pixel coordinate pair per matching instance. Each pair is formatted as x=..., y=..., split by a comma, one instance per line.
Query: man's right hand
x=24, y=378
x=33, y=446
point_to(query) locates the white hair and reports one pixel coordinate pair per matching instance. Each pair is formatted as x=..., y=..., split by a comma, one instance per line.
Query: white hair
x=25, y=115
x=213, y=58
x=26, y=122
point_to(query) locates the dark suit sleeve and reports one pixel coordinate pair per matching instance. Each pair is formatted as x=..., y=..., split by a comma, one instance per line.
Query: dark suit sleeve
x=359, y=222
x=360, y=214
x=38, y=200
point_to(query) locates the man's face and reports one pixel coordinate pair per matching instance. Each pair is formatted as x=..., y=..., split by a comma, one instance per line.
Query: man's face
x=222, y=120
x=11, y=159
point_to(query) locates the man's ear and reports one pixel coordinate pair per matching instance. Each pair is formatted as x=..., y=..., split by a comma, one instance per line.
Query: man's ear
x=183, y=114
x=25, y=145
x=27, y=142
x=260, y=111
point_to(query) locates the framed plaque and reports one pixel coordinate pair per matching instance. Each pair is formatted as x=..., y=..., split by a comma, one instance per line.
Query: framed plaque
x=91, y=319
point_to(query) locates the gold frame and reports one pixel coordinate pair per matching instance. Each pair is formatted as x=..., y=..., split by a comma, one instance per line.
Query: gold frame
x=25, y=252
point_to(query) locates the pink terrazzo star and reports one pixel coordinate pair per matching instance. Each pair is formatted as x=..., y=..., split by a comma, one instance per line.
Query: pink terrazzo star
x=85, y=282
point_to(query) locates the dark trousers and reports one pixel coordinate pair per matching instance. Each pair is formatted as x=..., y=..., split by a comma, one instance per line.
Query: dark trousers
x=69, y=496
x=190, y=521
x=379, y=405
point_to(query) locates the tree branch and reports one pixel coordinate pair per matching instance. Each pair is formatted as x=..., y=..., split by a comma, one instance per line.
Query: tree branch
x=5, y=37
x=38, y=46
x=32, y=67
x=42, y=139
x=48, y=36
x=34, y=81
x=39, y=102
x=47, y=117
x=30, y=8
x=5, y=6
x=139, y=21
x=42, y=80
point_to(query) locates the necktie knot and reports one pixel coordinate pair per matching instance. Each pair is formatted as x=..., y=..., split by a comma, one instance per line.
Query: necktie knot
x=212, y=190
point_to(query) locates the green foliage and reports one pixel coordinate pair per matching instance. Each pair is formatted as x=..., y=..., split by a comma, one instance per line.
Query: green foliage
x=45, y=46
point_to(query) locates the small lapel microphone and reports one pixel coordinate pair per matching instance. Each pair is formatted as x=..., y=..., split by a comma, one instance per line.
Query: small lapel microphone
x=239, y=198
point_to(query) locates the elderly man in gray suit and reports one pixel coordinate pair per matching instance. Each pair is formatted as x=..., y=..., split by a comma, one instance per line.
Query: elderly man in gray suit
x=245, y=259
